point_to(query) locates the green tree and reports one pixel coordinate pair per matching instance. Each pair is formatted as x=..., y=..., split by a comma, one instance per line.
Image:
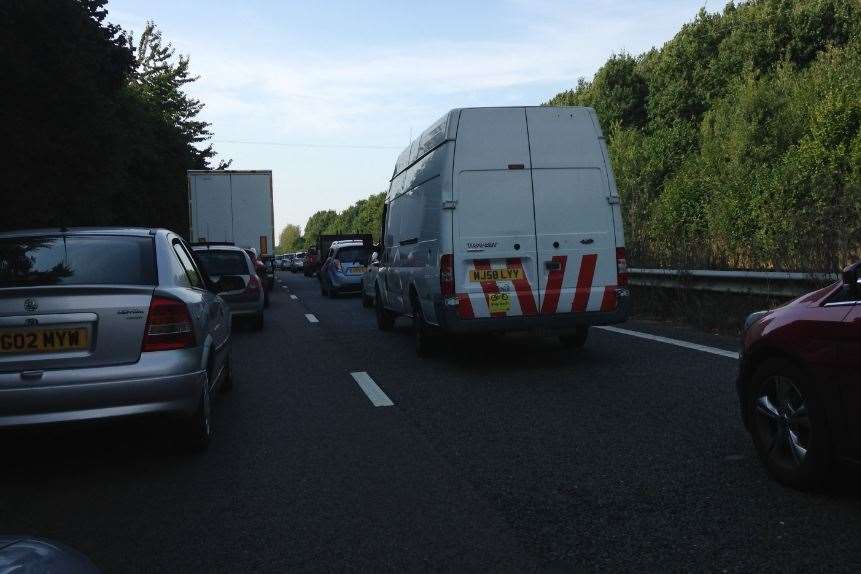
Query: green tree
x=737, y=143
x=100, y=137
x=317, y=224
x=290, y=239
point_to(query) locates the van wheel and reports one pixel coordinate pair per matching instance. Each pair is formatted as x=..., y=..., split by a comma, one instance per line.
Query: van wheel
x=575, y=340
x=788, y=426
x=385, y=318
x=425, y=341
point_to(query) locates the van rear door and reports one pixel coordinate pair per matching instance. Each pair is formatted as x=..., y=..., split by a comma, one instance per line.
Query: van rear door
x=495, y=265
x=576, y=244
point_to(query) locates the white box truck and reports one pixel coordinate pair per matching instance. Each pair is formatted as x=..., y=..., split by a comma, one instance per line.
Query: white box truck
x=230, y=206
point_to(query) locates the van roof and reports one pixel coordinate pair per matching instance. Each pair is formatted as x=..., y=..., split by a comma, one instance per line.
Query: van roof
x=445, y=129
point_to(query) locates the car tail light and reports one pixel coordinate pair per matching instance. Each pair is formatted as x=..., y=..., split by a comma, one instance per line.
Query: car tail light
x=337, y=264
x=446, y=275
x=621, y=267
x=253, y=287
x=168, y=326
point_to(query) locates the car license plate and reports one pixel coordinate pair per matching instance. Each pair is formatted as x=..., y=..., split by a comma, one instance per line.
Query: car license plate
x=23, y=341
x=507, y=274
x=498, y=302
x=357, y=270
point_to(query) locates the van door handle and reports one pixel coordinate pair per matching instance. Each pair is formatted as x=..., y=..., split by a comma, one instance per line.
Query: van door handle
x=552, y=265
x=587, y=241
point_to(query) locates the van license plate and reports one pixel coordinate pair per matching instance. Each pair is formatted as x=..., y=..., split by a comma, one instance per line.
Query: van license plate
x=507, y=274
x=43, y=340
x=498, y=302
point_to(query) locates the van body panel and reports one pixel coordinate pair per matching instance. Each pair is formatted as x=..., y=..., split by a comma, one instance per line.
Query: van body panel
x=576, y=247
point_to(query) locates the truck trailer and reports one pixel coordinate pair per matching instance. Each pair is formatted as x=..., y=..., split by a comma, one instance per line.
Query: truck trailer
x=230, y=206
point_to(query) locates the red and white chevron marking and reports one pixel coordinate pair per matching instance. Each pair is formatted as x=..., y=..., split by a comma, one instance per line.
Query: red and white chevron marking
x=574, y=297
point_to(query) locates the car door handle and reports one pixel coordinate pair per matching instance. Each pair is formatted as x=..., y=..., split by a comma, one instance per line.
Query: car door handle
x=587, y=241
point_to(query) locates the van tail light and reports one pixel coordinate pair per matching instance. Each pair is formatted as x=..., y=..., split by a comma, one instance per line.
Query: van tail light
x=446, y=275
x=168, y=326
x=253, y=287
x=621, y=267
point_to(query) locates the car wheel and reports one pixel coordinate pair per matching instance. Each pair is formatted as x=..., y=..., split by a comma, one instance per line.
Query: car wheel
x=367, y=300
x=385, y=318
x=265, y=299
x=257, y=322
x=198, y=431
x=788, y=426
x=575, y=340
x=323, y=289
x=333, y=292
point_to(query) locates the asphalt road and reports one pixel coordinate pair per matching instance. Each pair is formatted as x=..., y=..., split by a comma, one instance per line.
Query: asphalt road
x=511, y=455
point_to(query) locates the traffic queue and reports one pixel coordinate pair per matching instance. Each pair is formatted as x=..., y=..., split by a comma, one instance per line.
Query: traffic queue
x=519, y=230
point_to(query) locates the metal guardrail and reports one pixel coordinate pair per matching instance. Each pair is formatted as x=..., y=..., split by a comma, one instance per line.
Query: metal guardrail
x=776, y=283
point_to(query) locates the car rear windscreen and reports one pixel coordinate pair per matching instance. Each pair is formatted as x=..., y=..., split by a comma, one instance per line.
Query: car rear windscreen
x=356, y=254
x=217, y=263
x=76, y=260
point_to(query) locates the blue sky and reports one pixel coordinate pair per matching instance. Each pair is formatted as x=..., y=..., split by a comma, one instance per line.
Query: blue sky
x=347, y=73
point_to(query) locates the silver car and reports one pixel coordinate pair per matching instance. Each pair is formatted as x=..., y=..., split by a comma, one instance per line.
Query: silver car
x=102, y=323
x=297, y=263
x=248, y=299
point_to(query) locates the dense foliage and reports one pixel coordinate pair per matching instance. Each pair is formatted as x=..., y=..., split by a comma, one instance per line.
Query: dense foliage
x=738, y=143
x=290, y=239
x=98, y=129
x=364, y=216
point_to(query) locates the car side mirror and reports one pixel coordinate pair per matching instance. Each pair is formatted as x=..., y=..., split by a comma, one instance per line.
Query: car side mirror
x=229, y=283
x=375, y=259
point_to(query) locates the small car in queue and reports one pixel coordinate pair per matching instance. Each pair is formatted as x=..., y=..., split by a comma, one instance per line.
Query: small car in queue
x=247, y=299
x=343, y=269
x=100, y=323
x=298, y=262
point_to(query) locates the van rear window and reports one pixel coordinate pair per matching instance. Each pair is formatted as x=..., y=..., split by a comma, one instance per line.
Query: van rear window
x=76, y=260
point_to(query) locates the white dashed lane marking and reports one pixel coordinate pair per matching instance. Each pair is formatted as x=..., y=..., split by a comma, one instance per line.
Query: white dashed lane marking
x=311, y=318
x=374, y=393
x=676, y=342
x=294, y=297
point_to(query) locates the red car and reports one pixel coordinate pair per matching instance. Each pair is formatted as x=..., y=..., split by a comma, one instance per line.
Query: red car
x=311, y=263
x=800, y=382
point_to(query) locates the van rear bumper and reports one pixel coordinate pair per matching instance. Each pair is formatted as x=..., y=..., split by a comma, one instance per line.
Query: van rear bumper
x=452, y=323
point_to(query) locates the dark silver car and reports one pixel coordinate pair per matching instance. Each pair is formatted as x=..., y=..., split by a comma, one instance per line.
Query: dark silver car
x=248, y=299
x=100, y=323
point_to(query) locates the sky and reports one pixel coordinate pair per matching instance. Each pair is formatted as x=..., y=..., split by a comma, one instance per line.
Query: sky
x=326, y=94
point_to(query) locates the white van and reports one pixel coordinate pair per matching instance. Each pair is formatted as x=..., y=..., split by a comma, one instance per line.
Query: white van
x=504, y=219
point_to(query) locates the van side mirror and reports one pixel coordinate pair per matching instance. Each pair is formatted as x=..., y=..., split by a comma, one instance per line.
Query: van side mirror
x=229, y=283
